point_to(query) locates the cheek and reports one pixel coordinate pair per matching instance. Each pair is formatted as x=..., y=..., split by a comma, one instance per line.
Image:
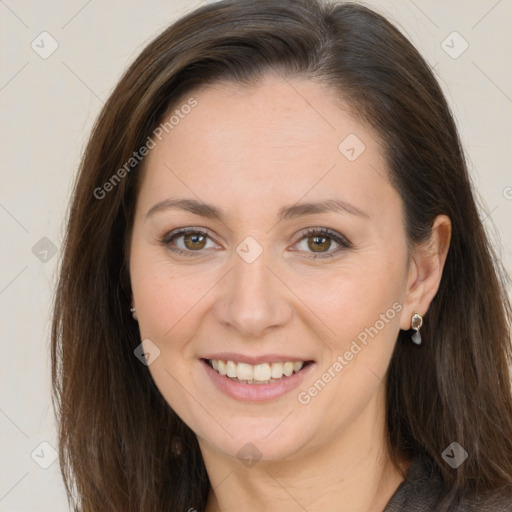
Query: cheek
x=356, y=299
x=362, y=307
x=162, y=291
x=168, y=302
x=361, y=304
x=167, y=297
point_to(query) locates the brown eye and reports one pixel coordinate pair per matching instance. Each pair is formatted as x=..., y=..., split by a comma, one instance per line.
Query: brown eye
x=322, y=243
x=319, y=243
x=194, y=241
x=188, y=241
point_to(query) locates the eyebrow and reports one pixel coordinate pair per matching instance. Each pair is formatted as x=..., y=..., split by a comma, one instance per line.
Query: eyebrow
x=285, y=213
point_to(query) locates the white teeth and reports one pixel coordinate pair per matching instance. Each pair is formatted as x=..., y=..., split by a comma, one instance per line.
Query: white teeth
x=277, y=370
x=221, y=366
x=231, y=369
x=256, y=374
x=261, y=372
x=245, y=372
x=288, y=369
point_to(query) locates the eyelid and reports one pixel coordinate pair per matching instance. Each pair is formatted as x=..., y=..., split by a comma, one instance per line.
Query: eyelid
x=177, y=233
x=342, y=241
x=323, y=231
x=184, y=231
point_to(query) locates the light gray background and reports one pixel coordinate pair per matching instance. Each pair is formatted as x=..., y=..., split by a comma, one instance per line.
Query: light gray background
x=47, y=110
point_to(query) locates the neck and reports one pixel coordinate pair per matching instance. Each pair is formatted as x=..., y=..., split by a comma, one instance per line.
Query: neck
x=349, y=472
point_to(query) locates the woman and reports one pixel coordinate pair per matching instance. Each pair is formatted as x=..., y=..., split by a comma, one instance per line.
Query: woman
x=276, y=291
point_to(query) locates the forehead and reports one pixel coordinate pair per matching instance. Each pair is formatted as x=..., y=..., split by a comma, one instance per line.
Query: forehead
x=275, y=141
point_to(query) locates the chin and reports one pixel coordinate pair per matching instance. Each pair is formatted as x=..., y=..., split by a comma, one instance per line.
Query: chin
x=258, y=439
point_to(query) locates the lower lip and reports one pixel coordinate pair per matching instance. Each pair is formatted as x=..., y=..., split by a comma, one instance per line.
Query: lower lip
x=256, y=392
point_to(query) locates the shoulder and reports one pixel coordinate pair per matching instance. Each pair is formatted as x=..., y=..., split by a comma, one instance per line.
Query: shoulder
x=420, y=491
x=423, y=490
x=495, y=502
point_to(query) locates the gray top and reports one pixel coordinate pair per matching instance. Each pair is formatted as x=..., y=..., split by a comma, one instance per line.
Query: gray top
x=422, y=491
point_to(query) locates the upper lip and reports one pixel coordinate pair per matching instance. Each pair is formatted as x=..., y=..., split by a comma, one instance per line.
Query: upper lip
x=253, y=360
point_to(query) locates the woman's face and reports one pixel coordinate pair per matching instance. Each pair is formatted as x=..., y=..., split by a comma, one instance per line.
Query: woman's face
x=300, y=257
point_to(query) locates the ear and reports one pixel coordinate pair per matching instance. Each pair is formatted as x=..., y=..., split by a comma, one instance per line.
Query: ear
x=425, y=271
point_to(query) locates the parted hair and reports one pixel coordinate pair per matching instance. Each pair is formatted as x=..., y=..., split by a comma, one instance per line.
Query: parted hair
x=122, y=448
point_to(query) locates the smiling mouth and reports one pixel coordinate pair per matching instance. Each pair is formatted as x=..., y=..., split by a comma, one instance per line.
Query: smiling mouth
x=264, y=373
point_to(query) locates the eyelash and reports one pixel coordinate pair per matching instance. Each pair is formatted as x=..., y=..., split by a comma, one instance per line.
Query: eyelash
x=328, y=233
x=343, y=242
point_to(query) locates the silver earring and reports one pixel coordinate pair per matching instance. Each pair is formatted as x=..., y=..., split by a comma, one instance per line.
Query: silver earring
x=416, y=323
x=132, y=310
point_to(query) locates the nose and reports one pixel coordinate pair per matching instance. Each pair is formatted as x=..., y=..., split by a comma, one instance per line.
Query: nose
x=253, y=299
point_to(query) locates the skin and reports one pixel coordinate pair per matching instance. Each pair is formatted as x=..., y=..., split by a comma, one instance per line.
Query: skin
x=251, y=150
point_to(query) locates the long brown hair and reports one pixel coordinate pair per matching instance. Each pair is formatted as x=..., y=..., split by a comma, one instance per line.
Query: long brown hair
x=122, y=448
